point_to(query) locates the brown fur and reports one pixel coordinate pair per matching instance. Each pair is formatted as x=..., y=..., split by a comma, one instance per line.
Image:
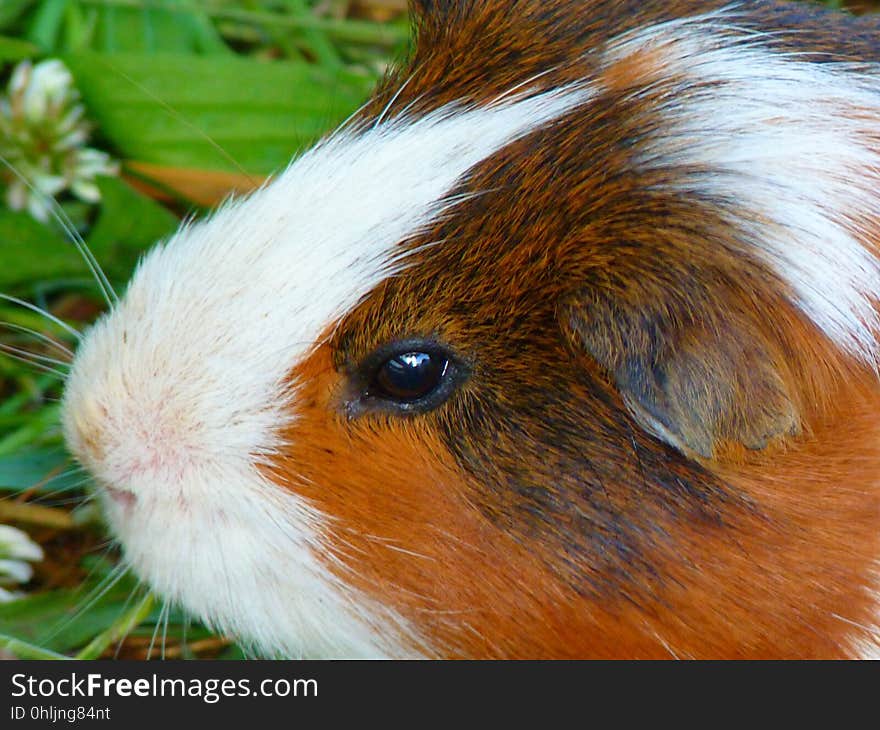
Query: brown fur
x=773, y=573
x=536, y=513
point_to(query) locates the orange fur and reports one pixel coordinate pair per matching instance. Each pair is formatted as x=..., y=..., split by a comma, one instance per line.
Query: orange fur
x=408, y=526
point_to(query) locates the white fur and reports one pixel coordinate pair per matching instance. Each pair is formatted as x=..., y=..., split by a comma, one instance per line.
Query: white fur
x=777, y=139
x=183, y=388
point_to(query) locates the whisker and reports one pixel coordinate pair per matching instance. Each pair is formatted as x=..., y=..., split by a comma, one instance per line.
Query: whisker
x=95, y=595
x=40, y=336
x=177, y=116
x=39, y=494
x=162, y=614
x=165, y=628
x=666, y=646
x=86, y=479
x=344, y=124
x=131, y=595
x=184, y=648
x=54, y=501
x=404, y=113
x=394, y=98
x=11, y=349
x=60, y=217
x=43, y=493
x=39, y=366
x=512, y=91
x=105, y=547
x=42, y=312
x=868, y=629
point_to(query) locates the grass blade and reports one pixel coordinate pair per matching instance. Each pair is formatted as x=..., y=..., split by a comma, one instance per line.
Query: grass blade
x=24, y=650
x=128, y=621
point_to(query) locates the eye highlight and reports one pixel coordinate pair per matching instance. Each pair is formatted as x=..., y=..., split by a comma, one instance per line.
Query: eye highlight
x=409, y=376
x=405, y=377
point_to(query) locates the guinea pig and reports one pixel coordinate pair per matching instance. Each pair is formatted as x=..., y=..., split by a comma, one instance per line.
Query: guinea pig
x=565, y=345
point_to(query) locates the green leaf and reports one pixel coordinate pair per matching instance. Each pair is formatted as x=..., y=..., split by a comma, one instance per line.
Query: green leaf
x=30, y=431
x=10, y=407
x=14, y=49
x=215, y=113
x=78, y=28
x=316, y=39
x=204, y=35
x=119, y=629
x=12, y=10
x=128, y=224
x=93, y=617
x=66, y=619
x=234, y=652
x=157, y=27
x=48, y=466
x=33, y=251
x=47, y=23
x=50, y=619
x=24, y=650
x=393, y=35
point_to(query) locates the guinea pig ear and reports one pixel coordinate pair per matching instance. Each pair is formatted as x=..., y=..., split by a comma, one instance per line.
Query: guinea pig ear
x=690, y=376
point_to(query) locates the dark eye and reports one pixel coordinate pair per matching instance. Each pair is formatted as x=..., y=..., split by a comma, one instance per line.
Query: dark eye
x=406, y=377
x=409, y=376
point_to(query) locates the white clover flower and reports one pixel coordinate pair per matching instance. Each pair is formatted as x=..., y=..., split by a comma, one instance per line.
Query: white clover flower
x=42, y=136
x=17, y=551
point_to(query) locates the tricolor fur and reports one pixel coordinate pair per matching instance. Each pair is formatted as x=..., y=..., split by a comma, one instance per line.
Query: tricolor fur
x=650, y=230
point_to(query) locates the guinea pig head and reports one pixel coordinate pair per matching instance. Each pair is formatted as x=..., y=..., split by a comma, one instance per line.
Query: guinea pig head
x=564, y=346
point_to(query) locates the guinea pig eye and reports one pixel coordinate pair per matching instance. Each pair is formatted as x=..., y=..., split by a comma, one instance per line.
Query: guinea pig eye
x=409, y=376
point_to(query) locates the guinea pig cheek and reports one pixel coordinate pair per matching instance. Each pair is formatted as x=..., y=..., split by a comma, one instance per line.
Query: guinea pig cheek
x=405, y=527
